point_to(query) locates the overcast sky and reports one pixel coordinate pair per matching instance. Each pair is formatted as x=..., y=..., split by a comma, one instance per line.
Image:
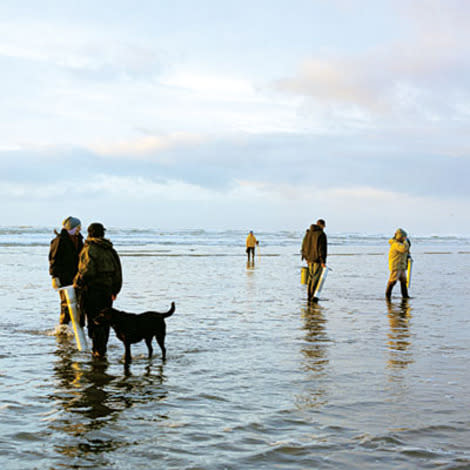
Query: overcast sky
x=259, y=114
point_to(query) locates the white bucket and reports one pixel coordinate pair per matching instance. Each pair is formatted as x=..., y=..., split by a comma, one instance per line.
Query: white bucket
x=74, y=311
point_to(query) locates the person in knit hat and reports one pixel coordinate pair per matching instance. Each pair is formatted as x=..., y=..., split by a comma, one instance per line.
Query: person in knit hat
x=63, y=260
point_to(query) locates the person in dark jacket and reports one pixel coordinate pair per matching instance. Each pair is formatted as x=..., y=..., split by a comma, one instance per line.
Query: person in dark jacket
x=98, y=280
x=63, y=260
x=314, y=251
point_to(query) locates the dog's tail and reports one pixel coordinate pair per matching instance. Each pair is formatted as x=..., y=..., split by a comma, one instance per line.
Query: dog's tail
x=170, y=312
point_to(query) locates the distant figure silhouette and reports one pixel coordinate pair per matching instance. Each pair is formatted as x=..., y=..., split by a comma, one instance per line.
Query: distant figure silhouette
x=314, y=251
x=251, y=243
x=398, y=263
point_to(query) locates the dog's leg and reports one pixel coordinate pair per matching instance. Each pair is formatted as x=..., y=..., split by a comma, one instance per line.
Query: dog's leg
x=128, y=357
x=148, y=341
x=161, y=342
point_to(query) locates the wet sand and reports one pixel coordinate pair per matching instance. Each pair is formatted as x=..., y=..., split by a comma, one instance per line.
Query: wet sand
x=255, y=377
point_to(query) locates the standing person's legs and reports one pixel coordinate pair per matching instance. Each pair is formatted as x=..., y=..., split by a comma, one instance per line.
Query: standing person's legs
x=394, y=275
x=403, y=286
x=314, y=273
x=93, y=301
x=64, y=318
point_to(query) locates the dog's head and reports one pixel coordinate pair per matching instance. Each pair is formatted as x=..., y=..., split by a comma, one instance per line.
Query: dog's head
x=104, y=317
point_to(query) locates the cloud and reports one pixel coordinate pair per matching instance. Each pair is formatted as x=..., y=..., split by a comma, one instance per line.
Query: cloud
x=420, y=76
x=150, y=145
x=406, y=82
x=107, y=186
x=211, y=85
x=83, y=51
x=360, y=209
x=332, y=81
x=414, y=165
x=135, y=201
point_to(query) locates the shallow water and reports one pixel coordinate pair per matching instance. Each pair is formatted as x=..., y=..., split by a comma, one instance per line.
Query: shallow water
x=254, y=377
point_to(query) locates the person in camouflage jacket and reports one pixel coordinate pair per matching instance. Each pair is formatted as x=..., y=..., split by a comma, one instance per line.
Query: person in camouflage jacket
x=98, y=281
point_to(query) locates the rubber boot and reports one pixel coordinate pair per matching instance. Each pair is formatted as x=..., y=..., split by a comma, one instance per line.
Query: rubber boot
x=310, y=291
x=100, y=341
x=388, y=292
x=404, y=290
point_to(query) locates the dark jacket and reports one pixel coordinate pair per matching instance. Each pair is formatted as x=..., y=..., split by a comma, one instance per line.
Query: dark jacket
x=314, y=245
x=99, y=266
x=63, y=257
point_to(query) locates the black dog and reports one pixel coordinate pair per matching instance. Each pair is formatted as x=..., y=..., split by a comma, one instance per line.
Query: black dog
x=131, y=328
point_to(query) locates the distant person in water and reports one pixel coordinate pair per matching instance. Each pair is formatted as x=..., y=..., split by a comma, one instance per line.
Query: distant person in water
x=314, y=250
x=398, y=261
x=251, y=243
x=99, y=280
x=63, y=260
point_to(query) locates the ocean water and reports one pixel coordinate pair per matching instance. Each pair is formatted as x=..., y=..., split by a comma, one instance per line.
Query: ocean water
x=254, y=376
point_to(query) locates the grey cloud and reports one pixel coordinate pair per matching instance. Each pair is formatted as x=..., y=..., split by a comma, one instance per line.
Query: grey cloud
x=322, y=162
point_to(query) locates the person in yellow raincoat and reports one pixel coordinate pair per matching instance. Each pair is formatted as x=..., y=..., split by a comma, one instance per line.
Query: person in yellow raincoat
x=251, y=243
x=398, y=261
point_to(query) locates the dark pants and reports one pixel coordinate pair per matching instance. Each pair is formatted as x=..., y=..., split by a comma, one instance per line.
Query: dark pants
x=314, y=273
x=92, y=301
x=251, y=249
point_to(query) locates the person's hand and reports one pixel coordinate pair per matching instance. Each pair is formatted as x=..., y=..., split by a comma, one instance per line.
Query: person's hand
x=323, y=265
x=56, y=283
x=114, y=297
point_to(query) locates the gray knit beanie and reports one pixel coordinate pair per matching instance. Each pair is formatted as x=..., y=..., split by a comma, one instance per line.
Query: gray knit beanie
x=70, y=223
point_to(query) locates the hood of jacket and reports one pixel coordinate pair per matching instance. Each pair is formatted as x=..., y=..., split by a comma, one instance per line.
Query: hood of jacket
x=314, y=245
x=100, y=242
x=315, y=228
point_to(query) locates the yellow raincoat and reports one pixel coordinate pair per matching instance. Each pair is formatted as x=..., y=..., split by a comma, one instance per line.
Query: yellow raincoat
x=250, y=241
x=398, y=254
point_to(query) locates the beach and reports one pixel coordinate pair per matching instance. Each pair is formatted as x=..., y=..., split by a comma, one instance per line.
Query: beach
x=254, y=377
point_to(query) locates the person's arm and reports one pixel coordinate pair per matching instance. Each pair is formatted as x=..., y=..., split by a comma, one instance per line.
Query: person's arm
x=303, y=249
x=401, y=246
x=117, y=278
x=55, y=267
x=323, y=249
x=86, y=268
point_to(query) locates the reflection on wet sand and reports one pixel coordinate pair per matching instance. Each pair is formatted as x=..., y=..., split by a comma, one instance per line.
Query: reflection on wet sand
x=315, y=352
x=399, y=337
x=89, y=401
